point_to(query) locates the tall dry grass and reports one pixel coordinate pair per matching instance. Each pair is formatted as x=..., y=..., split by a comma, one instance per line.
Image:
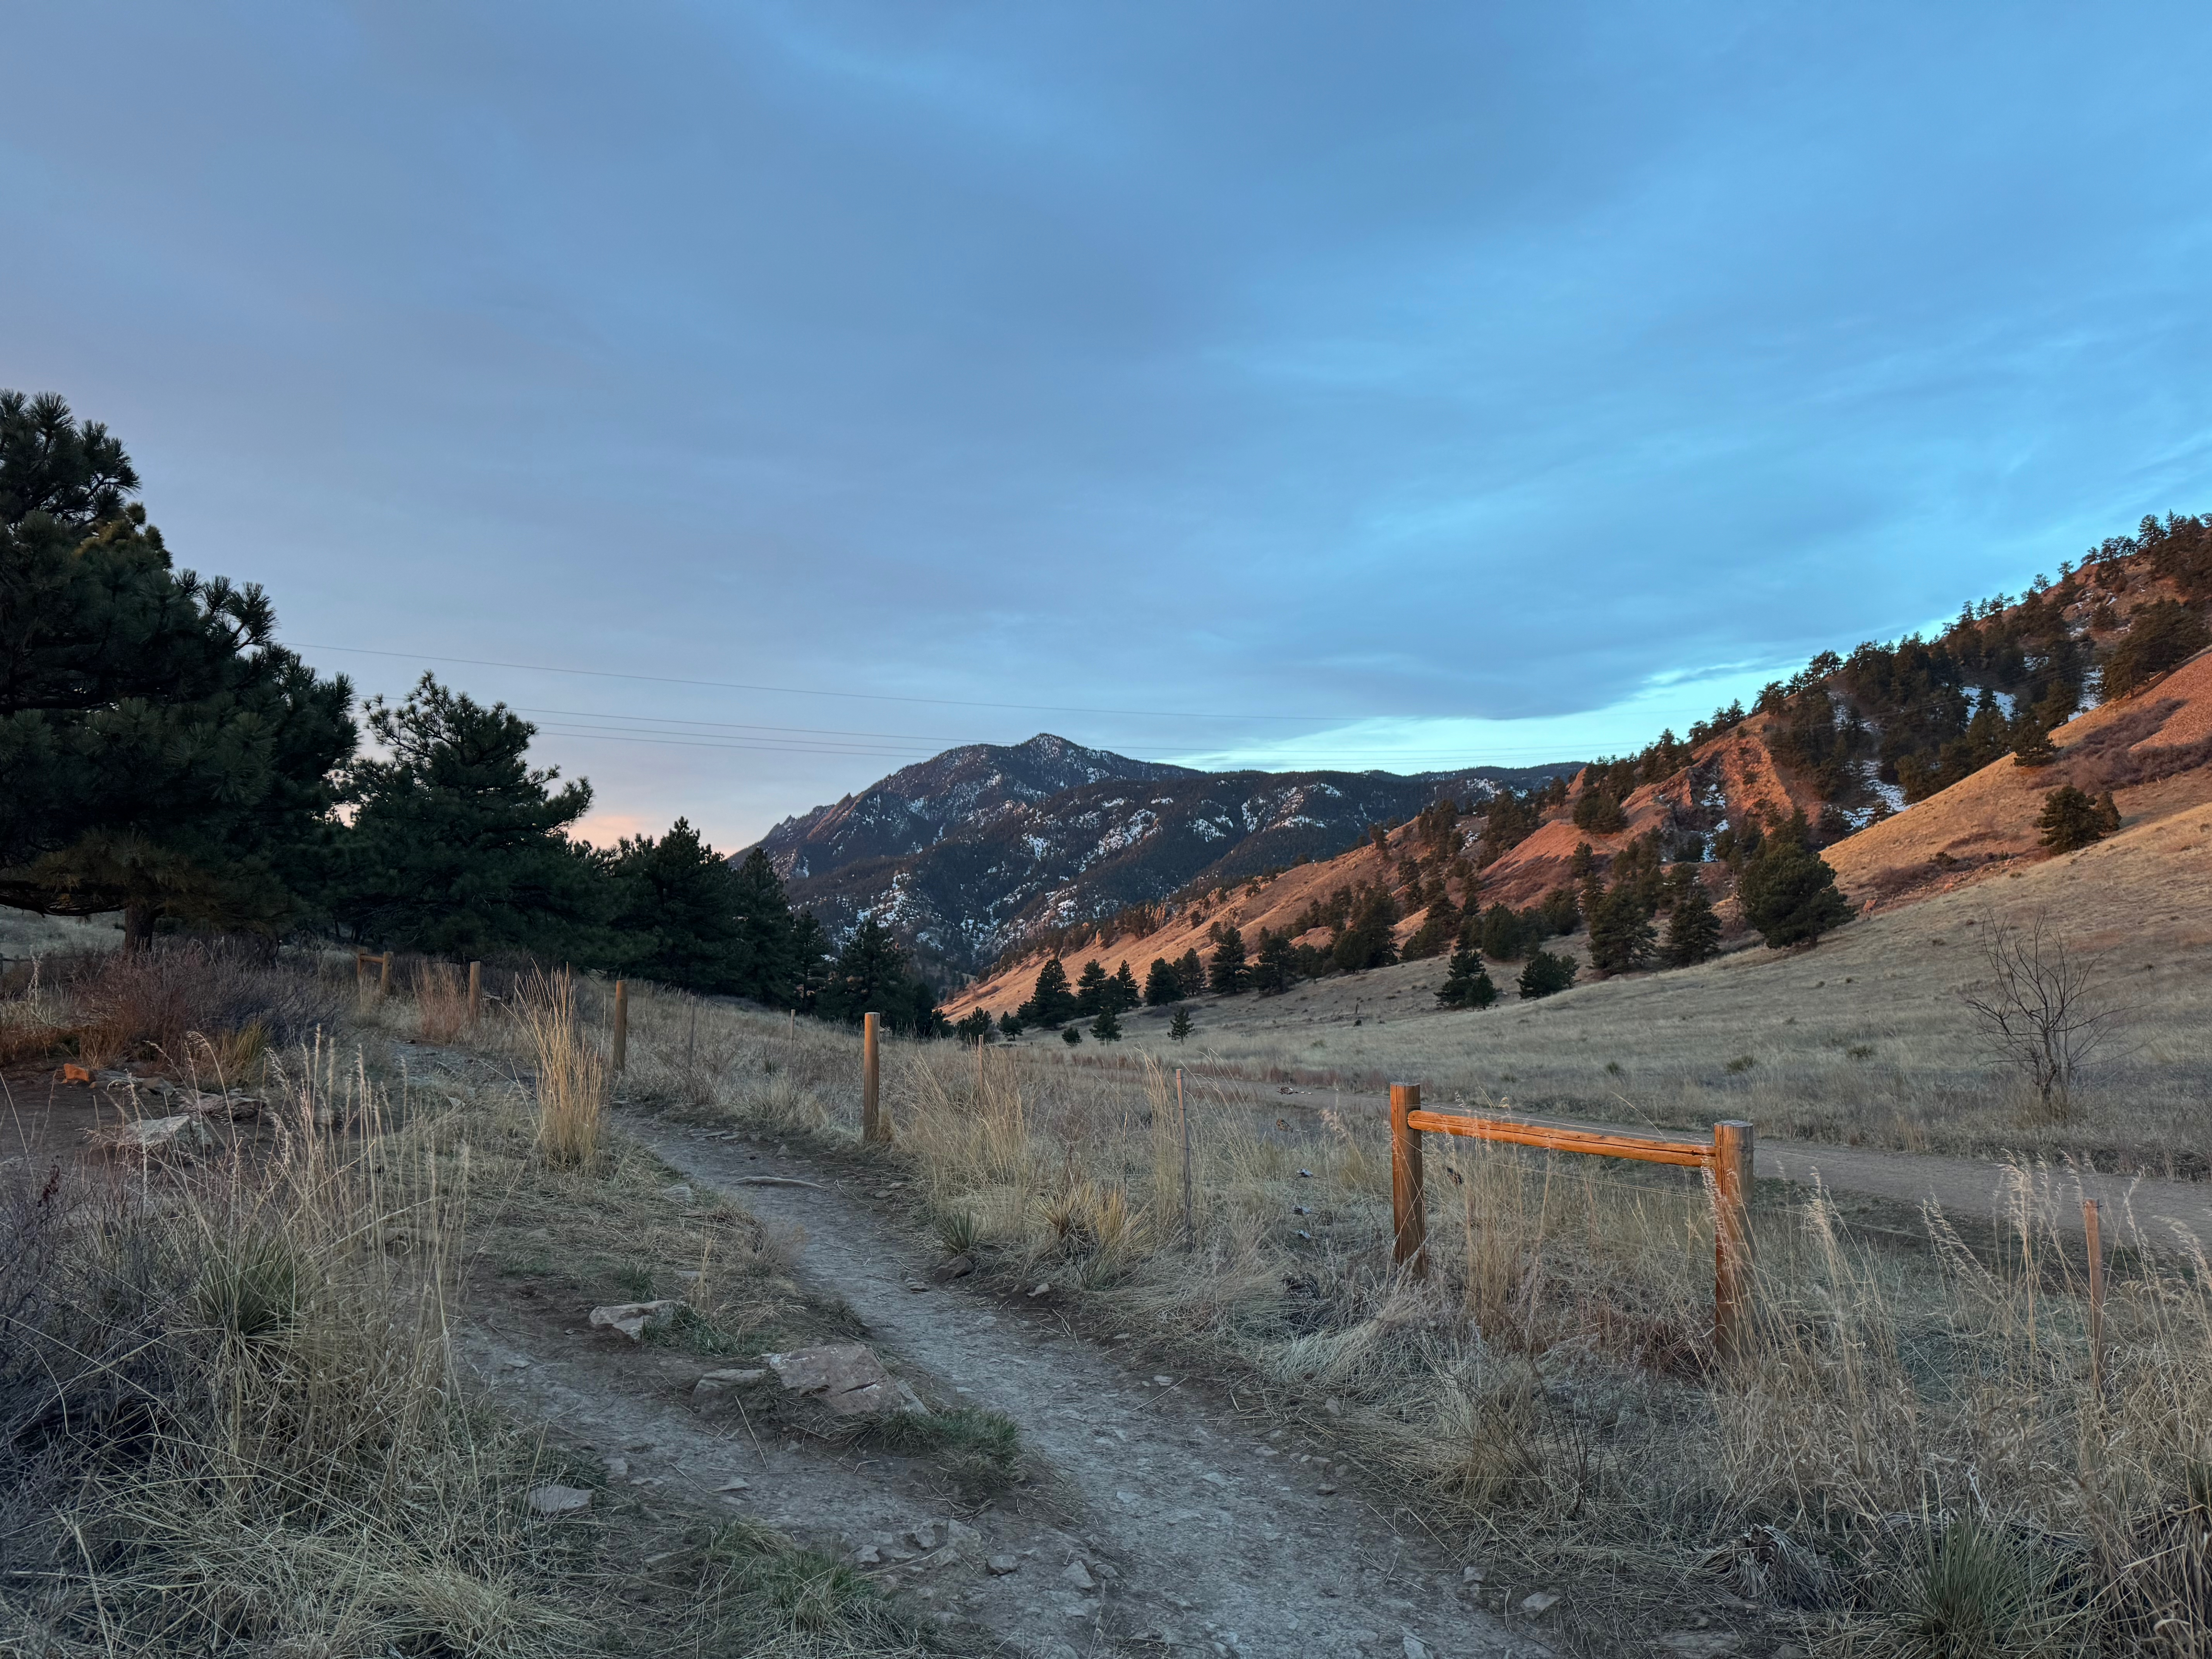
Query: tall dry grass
x=229, y=1419
x=1915, y=1462
x=574, y=1081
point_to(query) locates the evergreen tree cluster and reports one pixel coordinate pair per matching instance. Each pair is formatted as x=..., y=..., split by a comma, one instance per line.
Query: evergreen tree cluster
x=163, y=756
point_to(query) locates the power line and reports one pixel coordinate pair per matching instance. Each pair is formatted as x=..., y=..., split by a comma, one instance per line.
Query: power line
x=861, y=697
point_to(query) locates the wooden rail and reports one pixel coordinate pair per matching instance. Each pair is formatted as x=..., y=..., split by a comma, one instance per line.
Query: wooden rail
x=1727, y=1159
x=361, y=961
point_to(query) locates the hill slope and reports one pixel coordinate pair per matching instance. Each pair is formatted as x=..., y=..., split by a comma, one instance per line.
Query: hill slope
x=1863, y=749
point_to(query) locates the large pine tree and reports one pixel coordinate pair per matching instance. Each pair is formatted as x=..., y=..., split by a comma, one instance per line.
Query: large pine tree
x=769, y=966
x=675, y=913
x=1229, y=975
x=1126, y=995
x=1091, y=992
x=1620, y=932
x=1693, y=932
x=1163, y=985
x=1051, y=1003
x=459, y=846
x=1467, y=981
x=161, y=756
x=1789, y=893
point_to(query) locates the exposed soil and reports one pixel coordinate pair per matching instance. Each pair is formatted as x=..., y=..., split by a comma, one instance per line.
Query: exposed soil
x=1154, y=1519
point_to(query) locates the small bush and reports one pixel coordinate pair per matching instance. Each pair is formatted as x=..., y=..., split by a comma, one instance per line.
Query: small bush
x=573, y=1078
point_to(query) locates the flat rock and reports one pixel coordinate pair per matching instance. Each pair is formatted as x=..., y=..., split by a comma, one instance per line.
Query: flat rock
x=558, y=1500
x=999, y=1565
x=845, y=1378
x=959, y=1268
x=1538, y=1602
x=1079, y=1576
x=152, y=1133
x=634, y=1319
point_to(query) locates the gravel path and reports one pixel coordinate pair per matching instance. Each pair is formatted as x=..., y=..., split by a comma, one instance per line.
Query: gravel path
x=1173, y=1525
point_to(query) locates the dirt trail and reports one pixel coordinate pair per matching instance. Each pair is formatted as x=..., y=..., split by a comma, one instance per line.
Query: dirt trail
x=1164, y=1524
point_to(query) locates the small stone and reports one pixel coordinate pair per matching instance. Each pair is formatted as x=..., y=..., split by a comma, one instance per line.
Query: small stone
x=738, y=1484
x=1042, y=1287
x=1470, y=1575
x=929, y=1535
x=1000, y=1565
x=1415, y=1649
x=634, y=1319
x=1538, y=1602
x=617, y=1468
x=1162, y=1382
x=958, y=1535
x=959, y=1268
x=1332, y=1406
x=1327, y=1492
x=680, y=1191
x=1076, y=1574
x=558, y=1500
x=868, y=1556
x=1214, y=1478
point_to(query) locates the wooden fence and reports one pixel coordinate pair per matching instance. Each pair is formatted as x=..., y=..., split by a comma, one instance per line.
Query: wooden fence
x=1727, y=1160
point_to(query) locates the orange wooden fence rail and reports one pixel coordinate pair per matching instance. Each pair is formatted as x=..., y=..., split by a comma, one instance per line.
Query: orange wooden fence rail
x=1728, y=1158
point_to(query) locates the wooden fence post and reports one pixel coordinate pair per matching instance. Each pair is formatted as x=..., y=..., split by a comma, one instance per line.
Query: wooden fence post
x=872, y=1127
x=1409, y=1213
x=1182, y=1122
x=475, y=992
x=1732, y=1260
x=622, y=1024
x=384, y=978
x=2090, y=1220
x=360, y=975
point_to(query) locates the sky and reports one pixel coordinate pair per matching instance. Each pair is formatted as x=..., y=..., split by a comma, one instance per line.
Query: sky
x=762, y=397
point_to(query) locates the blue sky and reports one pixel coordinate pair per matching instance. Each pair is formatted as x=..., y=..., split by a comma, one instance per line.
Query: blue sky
x=1411, y=385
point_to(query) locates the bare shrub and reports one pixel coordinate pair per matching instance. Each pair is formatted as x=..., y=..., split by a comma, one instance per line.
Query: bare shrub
x=573, y=1078
x=2039, y=1012
x=150, y=1001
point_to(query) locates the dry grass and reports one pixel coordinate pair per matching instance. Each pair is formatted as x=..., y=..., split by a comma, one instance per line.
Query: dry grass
x=230, y=1418
x=572, y=1074
x=1913, y=1464
x=1864, y=1041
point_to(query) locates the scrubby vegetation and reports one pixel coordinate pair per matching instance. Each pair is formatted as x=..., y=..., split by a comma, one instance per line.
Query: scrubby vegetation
x=1914, y=1460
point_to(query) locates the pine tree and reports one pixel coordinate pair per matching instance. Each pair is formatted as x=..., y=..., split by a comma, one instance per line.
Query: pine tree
x=768, y=969
x=1561, y=912
x=1125, y=994
x=1790, y=896
x=1440, y=927
x=1620, y=933
x=1546, y=975
x=1163, y=985
x=869, y=977
x=2073, y=819
x=974, y=1028
x=458, y=846
x=1071, y=1037
x=810, y=960
x=1179, y=1027
x=1229, y=975
x=1010, y=1026
x=1090, y=990
x=1051, y=1003
x=675, y=915
x=1693, y=931
x=1368, y=937
x=1106, y=1028
x=1467, y=981
x=159, y=754
x=1276, y=971
x=1190, y=972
